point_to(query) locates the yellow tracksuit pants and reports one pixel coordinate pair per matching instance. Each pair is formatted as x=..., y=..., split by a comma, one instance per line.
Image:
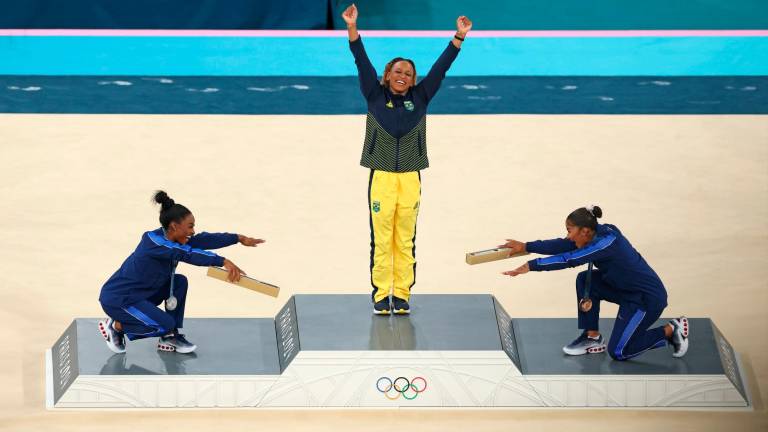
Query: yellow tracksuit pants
x=393, y=206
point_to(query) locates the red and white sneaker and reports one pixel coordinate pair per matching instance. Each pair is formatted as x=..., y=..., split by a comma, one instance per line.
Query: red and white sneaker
x=115, y=339
x=680, y=332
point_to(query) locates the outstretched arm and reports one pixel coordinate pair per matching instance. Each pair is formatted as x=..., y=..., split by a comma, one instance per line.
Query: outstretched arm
x=365, y=70
x=205, y=240
x=550, y=247
x=596, y=250
x=543, y=247
x=431, y=83
x=160, y=247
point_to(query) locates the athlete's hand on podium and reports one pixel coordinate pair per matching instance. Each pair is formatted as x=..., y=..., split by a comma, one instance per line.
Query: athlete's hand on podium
x=350, y=15
x=523, y=269
x=249, y=241
x=514, y=245
x=234, y=271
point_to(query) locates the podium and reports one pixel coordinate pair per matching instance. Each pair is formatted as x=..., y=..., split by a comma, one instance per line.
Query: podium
x=329, y=350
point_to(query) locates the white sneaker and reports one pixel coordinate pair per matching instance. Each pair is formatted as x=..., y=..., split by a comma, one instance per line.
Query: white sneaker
x=585, y=345
x=680, y=332
x=115, y=339
x=176, y=342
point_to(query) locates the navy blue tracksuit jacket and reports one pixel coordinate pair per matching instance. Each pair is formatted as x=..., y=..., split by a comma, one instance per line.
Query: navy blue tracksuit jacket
x=619, y=264
x=148, y=269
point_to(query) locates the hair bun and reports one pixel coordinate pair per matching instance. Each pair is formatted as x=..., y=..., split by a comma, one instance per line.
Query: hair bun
x=164, y=200
x=597, y=211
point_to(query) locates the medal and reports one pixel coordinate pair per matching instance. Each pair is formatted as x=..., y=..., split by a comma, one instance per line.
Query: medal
x=585, y=304
x=170, y=303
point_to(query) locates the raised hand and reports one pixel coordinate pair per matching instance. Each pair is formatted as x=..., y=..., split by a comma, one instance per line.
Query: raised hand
x=463, y=25
x=350, y=15
x=249, y=241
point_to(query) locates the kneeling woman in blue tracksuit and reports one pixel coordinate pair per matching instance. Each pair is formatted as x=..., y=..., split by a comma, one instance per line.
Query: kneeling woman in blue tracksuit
x=147, y=278
x=622, y=276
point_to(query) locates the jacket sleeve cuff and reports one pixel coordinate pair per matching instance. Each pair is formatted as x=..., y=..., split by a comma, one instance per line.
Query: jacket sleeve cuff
x=531, y=247
x=533, y=265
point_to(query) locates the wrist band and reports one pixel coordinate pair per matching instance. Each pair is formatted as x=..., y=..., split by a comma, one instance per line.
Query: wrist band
x=456, y=36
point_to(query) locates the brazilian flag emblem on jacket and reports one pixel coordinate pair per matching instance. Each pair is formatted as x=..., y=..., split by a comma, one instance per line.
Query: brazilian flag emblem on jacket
x=376, y=206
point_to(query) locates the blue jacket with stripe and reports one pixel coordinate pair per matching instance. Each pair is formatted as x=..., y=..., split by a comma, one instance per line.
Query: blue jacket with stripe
x=620, y=265
x=148, y=269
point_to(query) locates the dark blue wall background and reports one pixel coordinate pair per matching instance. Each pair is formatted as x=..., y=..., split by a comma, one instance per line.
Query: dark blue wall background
x=562, y=14
x=166, y=14
x=385, y=14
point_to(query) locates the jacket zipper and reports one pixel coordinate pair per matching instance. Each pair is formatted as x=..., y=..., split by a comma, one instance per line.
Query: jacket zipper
x=397, y=155
x=397, y=143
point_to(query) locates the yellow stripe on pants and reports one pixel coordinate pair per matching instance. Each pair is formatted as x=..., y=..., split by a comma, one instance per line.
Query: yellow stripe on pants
x=393, y=205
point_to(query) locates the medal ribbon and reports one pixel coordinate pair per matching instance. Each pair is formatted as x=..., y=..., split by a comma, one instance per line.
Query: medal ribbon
x=173, y=273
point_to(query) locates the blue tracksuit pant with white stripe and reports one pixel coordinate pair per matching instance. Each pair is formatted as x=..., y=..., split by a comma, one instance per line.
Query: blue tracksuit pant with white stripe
x=630, y=336
x=143, y=319
x=622, y=276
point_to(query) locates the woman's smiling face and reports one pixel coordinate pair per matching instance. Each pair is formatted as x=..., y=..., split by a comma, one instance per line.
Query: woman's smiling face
x=400, y=77
x=181, y=231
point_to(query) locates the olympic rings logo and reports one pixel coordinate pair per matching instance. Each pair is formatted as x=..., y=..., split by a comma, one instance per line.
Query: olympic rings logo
x=402, y=386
